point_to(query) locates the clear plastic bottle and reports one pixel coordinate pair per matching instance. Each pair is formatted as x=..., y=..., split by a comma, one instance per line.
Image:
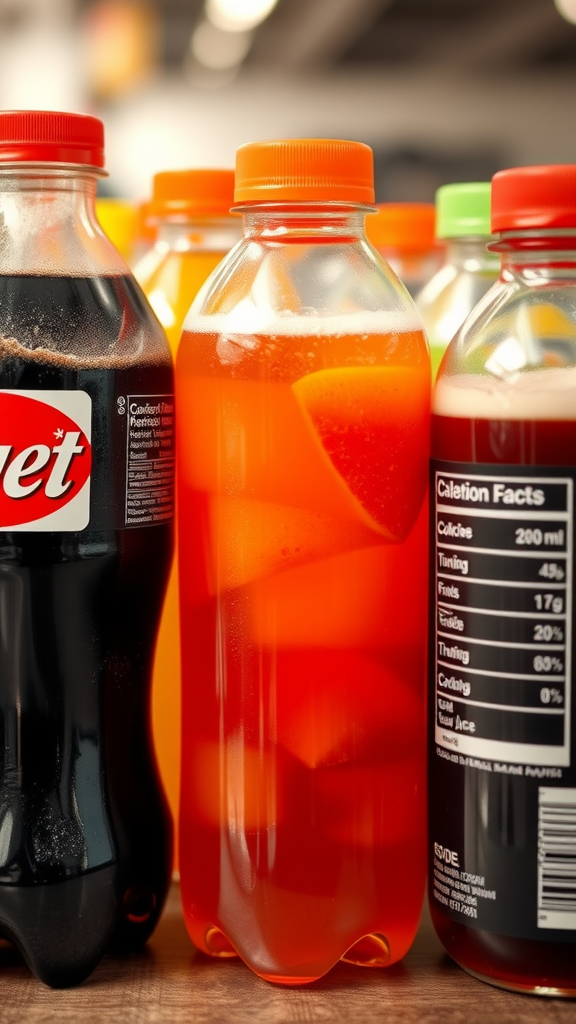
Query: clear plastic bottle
x=403, y=233
x=503, y=748
x=304, y=381
x=195, y=230
x=86, y=509
x=470, y=269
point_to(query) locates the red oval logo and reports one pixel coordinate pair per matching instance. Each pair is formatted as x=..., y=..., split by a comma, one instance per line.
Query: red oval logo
x=45, y=460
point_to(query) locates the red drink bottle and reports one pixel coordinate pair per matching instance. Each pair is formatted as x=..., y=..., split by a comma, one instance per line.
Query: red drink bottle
x=304, y=384
x=503, y=753
x=86, y=502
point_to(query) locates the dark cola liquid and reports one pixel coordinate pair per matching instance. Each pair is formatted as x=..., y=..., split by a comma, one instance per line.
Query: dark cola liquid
x=85, y=849
x=496, y=814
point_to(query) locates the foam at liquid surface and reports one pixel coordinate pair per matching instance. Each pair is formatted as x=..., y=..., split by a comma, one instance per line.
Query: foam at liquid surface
x=253, y=321
x=533, y=395
x=11, y=348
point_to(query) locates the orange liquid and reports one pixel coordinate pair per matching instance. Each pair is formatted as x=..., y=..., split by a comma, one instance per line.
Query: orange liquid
x=170, y=288
x=303, y=531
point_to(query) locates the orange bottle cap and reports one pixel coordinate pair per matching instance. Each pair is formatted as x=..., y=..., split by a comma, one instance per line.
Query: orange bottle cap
x=407, y=227
x=194, y=193
x=293, y=170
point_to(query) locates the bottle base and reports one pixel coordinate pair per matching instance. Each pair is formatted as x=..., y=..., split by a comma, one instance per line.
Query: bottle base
x=216, y=944
x=287, y=979
x=529, y=989
x=370, y=951
x=63, y=928
x=528, y=966
x=140, y=910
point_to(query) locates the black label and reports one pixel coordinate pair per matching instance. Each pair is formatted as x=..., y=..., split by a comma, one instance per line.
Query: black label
x=503, y=784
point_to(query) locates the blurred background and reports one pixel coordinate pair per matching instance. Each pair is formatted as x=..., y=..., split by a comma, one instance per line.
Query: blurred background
x=443, y=90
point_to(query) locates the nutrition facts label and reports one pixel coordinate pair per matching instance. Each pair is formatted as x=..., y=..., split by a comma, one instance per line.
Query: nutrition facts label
x=503, y=614
x=149, y=458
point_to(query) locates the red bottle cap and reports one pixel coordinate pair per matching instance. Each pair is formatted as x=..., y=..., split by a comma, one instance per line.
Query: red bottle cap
x=46, y=136
x=534, y=197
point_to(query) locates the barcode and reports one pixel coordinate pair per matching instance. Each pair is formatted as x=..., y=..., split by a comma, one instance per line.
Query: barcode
x=556, y=858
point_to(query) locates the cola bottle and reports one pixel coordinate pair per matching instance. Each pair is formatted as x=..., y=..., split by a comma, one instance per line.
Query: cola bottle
x=86, y=506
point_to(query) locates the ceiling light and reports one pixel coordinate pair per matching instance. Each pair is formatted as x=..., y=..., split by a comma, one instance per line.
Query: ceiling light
x=217, y=49
x=238, y=15
x=567, y=9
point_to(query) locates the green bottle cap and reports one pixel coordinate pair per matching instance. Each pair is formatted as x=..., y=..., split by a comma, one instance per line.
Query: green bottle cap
x=463, y=209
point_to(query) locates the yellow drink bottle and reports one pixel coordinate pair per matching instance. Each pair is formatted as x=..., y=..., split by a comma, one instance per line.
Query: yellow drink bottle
x=119, y=220
x=195, y=230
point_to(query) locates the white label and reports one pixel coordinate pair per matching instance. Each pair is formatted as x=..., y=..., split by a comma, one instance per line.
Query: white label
x=45, y=460
x=556, y=858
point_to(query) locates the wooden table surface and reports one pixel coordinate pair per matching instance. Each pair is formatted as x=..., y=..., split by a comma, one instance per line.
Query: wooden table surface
x=170, y=982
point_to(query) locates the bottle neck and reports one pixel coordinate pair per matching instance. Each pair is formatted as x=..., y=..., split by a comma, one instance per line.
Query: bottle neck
x=48, y=223
x=470, y=253
x=542, y=254
x=207, y=234
x=305, y=222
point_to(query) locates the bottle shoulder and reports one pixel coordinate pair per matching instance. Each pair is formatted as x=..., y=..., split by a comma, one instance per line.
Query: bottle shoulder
x=261, y=282
x=520, y=339
x=448, y=299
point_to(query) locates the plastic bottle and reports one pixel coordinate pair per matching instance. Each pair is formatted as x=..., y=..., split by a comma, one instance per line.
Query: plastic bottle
x=303, y=376
x=503, y=753
x=403, y=233
x=195, y=230
x=470, y=269
x=84, y=555
x=119, y=220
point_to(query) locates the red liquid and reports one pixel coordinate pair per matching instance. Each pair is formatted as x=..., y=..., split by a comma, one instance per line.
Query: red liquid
x=303, y=628
x=520, y=964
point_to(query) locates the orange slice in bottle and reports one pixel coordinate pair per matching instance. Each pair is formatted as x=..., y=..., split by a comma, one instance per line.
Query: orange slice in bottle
x=372, y=422
x=252, y=539
x=357, y=598
x=249, y=439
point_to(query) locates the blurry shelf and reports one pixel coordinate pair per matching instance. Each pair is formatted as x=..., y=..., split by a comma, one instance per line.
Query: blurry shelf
x=169, y=982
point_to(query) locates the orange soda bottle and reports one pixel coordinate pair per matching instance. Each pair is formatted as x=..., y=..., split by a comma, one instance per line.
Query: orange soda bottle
x=404, y=234
x=195, y=230
x=304, y=380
